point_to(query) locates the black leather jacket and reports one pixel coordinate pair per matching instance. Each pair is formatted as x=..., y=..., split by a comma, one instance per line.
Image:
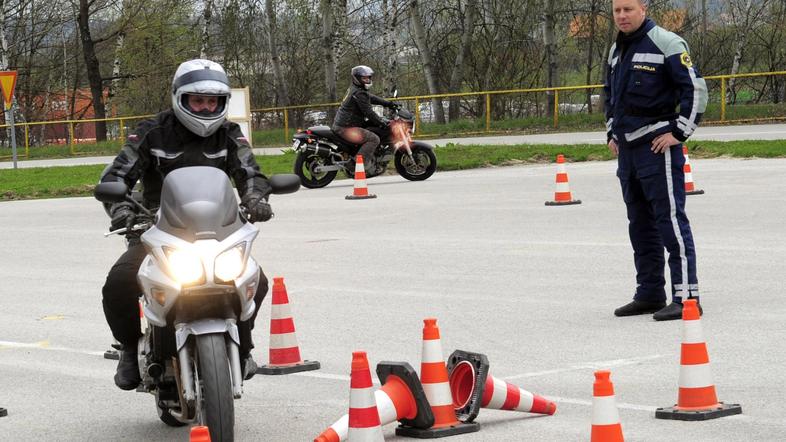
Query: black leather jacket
x=356, y=111
x=162, y=144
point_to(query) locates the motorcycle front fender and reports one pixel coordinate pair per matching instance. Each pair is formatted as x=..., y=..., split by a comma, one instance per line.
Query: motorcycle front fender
x=204, y=327
x=422, y=144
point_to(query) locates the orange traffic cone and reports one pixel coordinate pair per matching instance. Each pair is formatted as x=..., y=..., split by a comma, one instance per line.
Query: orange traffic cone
x=562, y=196
x=401, y=398
x=363, y=415
x=697, y=400
x=360, y=192
x=690, y=188
x=284, y=350
x=472, y=387
x=200, y=434
x=606, y=425
x=434, y=377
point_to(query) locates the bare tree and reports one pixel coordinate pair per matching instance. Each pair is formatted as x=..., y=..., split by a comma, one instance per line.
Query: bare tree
x=282, y=91
x=550, y=43
x=744, y=17
x=93, y=67
x=457, y=76
x=207, y=16
x=419, y=35
x=328, y=53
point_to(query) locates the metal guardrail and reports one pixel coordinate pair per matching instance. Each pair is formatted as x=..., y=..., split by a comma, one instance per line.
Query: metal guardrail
x=285, y=110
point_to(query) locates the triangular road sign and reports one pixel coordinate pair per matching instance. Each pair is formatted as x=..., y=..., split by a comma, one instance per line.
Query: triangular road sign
x=8, y=83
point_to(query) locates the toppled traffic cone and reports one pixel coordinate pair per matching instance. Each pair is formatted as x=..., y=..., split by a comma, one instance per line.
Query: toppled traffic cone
x=472, y=388
x=562, y=196
x=401, y=398
x=606, y=425
x=690, y=187
x=200, y=434
x=360, y=191
x=434, y=377
x=697, y=400
x=284, y=352
x=363, y=415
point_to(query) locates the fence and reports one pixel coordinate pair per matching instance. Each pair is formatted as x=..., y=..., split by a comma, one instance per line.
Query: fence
x=754, y=97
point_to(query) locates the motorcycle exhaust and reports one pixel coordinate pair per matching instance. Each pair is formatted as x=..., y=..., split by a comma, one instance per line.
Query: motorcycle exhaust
x=155, y=370
x=319, y=149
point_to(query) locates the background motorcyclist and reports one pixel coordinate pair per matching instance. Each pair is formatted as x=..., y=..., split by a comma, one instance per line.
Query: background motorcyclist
x=194, y=132
x=355, y=116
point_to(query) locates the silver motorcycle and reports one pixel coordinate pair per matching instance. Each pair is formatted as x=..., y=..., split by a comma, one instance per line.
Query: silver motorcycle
x=198, y=281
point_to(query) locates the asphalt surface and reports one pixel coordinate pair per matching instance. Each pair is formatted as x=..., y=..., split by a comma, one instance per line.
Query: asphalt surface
x=530, y=286
x=715, y=133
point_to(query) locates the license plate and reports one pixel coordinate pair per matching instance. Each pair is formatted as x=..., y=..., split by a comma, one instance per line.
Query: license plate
x=296, y=144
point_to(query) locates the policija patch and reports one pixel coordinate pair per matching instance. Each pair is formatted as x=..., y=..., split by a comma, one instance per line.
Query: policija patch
x=685, y=60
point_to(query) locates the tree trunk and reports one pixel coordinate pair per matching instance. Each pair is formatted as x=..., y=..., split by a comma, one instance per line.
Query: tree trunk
x=550, y=43
x=419, y=34
x=119, y=43
x=207, y=16
x=610, y=36
x=328, y=35
x=457, y=76
x=593, y=18
x=390, y=66
x=339, y=35
x=93, y=69
x=281, y=85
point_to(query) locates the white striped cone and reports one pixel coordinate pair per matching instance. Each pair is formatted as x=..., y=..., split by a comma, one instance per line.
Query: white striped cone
x=501, y=395
x=697, y=398
x=562, y=195
x=434, y=376
x=338, y=431
x=363, y=419
x=606, y=425
x=360, y=190
x=690, y=187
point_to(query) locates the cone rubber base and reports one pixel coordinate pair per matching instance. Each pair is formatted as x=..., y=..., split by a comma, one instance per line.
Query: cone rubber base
x=3, y=412
x=695, y=192
x=112, y=354
x=480, y=362
x=305, y=366
x=353, y=197
x=425, y=417
x=562, y=203
x=698, y=415
x=434, y=433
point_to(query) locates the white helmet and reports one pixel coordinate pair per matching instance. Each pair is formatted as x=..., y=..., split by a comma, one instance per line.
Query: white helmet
x=200, y=77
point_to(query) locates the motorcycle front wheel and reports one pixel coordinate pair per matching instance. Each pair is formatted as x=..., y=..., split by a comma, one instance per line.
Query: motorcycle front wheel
x=218, y=403
x=422, y=165
x=305, y=165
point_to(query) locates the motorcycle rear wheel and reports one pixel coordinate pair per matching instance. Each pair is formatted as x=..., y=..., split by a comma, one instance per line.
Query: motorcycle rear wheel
x=305, y=163
x=218, y=403
x=424, y=166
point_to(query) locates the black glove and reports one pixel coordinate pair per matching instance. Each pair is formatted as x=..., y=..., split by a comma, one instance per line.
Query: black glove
x=385, y=122
x=258, y=208
x=122, y=216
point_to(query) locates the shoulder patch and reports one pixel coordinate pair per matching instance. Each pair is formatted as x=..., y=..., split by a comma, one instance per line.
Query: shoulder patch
x=685, y=59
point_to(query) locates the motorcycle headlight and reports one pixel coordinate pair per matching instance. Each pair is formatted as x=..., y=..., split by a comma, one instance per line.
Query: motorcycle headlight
x=186, y=267
x=230, y=263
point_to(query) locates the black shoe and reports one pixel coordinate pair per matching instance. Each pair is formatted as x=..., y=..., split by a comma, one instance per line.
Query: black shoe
x=672, y=312
x=639, y=308
x=249, y=367
x=127, y=375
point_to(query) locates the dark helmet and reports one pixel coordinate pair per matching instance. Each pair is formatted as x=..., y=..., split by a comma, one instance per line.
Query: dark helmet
x=362, y=71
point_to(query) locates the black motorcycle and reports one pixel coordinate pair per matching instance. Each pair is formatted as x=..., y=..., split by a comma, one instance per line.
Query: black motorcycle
x=321, y=153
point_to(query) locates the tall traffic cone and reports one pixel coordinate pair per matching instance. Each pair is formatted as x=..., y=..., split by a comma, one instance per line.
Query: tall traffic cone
x=697, y=400
x=472, y=387
x=401, y=398
x=284, y=352
x=200, y=433
x=434, y=377
x=363, y=415
x=562, y=196
x=606, y=425
x=360, y=191
x=690, y=188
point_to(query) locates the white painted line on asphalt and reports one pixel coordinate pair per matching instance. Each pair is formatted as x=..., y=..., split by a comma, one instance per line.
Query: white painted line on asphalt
x=598, y=365
x=44, y=345
x=622, y=405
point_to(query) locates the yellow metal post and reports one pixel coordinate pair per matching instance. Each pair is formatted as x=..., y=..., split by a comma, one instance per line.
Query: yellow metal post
x=27, y=141
x=71, y=137
x=488, y=112
x=122, y=129
x=556, y=109
x=286, y=126
x=723, y=99
x=417, y=116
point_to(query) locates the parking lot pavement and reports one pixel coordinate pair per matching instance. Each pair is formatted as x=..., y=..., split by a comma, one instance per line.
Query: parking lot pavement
x=532, y=287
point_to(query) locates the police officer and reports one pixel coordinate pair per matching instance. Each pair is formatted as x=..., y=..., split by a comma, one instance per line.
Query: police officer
x=650, y=73
x=355, y=116
x=194, y=132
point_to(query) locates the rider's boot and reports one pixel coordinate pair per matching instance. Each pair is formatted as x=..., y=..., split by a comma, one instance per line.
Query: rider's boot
x=127, y=375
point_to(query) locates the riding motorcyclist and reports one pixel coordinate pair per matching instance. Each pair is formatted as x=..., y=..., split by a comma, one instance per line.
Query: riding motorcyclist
x=194, y=132
x=356, y=121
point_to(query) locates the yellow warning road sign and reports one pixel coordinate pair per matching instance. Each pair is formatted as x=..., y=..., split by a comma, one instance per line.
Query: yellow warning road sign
x=8, y=83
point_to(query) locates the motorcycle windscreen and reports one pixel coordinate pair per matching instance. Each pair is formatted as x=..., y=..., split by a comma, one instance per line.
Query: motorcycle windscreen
x=198, y=203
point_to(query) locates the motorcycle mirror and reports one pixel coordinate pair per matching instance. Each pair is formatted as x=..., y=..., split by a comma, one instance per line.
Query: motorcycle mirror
x=284, y=183
x=111, y=192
